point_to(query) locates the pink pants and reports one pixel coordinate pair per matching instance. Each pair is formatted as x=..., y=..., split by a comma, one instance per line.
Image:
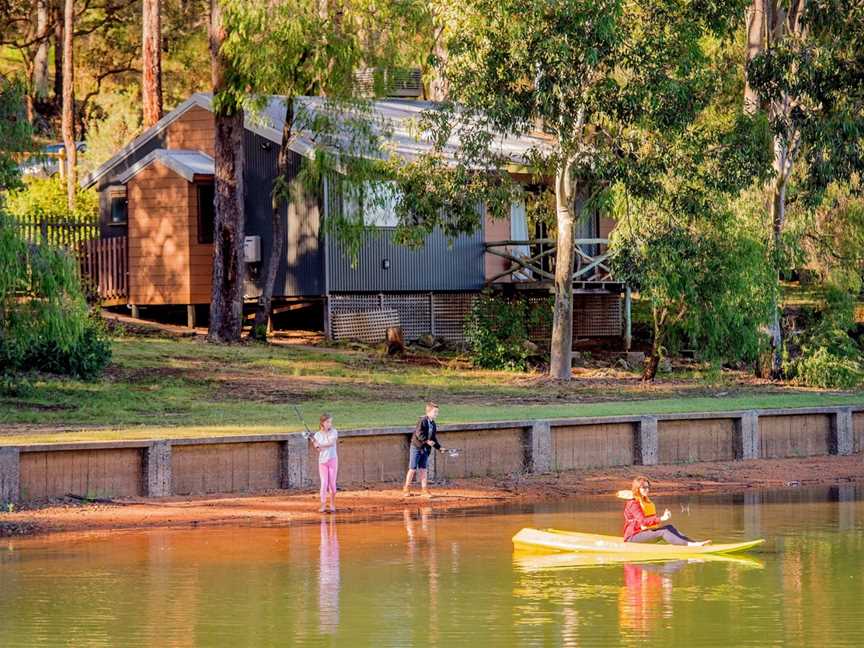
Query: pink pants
x=327, y=471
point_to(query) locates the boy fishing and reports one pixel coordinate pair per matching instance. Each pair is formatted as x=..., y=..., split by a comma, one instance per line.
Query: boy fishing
x=423, y=441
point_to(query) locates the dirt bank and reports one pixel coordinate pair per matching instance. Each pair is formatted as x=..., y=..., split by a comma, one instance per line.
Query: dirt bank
x=279, y=508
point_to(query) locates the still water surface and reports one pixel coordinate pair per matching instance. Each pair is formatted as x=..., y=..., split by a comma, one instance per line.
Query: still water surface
x=419, y=579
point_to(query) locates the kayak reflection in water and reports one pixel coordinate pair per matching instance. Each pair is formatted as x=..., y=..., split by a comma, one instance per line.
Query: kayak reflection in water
x=641, y=523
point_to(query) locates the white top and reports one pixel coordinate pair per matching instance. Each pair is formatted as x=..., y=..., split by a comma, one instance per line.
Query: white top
x=326, y=443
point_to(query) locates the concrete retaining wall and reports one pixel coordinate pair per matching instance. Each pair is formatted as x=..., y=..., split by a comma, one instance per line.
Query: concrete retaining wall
x=244, y=464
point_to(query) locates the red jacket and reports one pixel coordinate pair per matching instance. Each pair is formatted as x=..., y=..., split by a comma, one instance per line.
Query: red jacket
x=635, y=520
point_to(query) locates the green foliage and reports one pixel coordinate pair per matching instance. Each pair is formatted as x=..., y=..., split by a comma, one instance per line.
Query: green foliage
x=114, y=121
x=15, y=133
x=810, y=82
x=830, y=358
x=497, y=331
x=704, y=283
x=45, y=323
x=45, y=198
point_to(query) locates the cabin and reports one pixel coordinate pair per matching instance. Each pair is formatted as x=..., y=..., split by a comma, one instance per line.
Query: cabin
x=156, y=229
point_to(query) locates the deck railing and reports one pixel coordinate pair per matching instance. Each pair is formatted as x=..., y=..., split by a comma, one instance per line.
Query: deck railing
x=59, y=232
x=591, y=264
x=105, y=267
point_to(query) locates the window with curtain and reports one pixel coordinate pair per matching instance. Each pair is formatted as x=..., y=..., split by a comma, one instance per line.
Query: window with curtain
x=376, y=201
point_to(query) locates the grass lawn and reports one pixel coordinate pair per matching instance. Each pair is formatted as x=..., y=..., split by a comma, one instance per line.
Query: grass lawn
x=161, y=388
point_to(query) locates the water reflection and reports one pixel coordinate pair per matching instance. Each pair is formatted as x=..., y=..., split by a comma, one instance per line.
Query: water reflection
x=646, y=596
x=328, y=578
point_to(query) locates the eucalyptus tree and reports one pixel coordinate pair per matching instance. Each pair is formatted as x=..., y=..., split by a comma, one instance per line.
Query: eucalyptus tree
x=296, y=48
x=151, y=61
x=607, y=82
x=226, y=299
x=807, y=77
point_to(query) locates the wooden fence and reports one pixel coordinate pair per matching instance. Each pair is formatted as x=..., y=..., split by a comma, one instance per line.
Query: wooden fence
x=104, y=265
x=59, y=232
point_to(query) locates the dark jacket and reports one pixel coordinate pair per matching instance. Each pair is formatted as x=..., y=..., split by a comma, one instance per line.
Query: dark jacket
x=425, y=431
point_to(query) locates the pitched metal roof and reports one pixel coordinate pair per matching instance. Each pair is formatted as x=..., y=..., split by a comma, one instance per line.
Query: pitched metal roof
x=396, y=122
x=184, y=163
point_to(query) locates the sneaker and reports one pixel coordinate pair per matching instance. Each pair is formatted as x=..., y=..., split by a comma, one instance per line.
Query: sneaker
x=406, y=492
x=426, y=494
x=322, y=509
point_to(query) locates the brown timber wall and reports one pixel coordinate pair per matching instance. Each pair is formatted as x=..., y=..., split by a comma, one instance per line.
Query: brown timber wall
x=225, y=468
x=794, y=436
x=593, y=446
x=159, y=237
x=243, y=464
x=90, y=473
x=682, y=442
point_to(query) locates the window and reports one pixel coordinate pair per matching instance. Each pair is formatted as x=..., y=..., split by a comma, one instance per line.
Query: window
x=378, y=200
x=119, y=210
x=206, y=212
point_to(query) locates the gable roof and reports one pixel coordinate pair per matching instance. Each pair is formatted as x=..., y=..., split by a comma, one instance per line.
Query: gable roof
x=184, y=163
x=395, y=121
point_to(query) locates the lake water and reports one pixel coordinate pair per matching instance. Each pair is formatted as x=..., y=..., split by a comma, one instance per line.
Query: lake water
x=422, y=578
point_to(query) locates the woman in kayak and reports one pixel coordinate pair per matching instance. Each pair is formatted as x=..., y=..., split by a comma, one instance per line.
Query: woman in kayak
x=641, y=523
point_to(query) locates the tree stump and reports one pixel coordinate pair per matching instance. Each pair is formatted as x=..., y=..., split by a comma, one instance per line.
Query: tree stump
x=395, y=340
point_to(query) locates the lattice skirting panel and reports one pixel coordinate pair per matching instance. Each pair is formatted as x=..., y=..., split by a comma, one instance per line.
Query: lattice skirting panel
x=439, y=314
x=443, y=314
x=367, y=326
x=593, y=316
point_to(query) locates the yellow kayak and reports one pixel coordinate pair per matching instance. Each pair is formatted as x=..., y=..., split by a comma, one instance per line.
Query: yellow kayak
x=537, y=562
x=553, y=540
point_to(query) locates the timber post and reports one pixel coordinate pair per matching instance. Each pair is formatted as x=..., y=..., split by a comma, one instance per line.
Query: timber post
x=628, y=319
x=190, y=316
x=10, y=476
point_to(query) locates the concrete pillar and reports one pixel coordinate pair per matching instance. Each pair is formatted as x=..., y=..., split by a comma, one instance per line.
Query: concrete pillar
x=10, y=475
x=747, y=445
x=842, y=433
x=157, y=469
x=295, y=457
x=646, y=441
x=539, y=446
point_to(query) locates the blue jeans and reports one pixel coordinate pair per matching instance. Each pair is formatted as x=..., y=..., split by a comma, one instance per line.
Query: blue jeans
x=418, y=458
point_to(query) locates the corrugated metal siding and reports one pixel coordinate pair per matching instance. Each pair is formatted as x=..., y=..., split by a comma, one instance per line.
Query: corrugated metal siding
x=302, y=271
x=106, y=229
x=439, y=265
x=436, y=266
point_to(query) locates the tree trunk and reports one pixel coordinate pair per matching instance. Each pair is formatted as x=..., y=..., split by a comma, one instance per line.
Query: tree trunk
x=58, y=55
x=779, y=218
x=40, y=60
x=226, y=302
x=68, y=120
x=151, y=62
x=756, y=29
x=281, y=196
x=561, y=365
x=652, y=362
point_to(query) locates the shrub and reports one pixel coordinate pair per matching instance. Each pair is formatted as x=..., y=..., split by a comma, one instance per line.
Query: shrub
x=822, y=368
x=830, y=358
x=45, y=323
x=498, y=330
x=42, y=198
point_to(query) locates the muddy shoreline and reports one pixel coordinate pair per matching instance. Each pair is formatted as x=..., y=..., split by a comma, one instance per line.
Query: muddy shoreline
x=383, y=500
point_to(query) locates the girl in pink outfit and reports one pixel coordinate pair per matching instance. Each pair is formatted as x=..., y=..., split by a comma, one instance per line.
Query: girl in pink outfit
x=328, y=464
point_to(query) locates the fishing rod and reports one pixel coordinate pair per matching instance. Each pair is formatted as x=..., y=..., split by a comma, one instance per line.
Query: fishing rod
x=307, y=434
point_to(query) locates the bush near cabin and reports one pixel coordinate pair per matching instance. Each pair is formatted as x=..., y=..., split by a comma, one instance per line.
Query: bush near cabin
x=498, y=331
